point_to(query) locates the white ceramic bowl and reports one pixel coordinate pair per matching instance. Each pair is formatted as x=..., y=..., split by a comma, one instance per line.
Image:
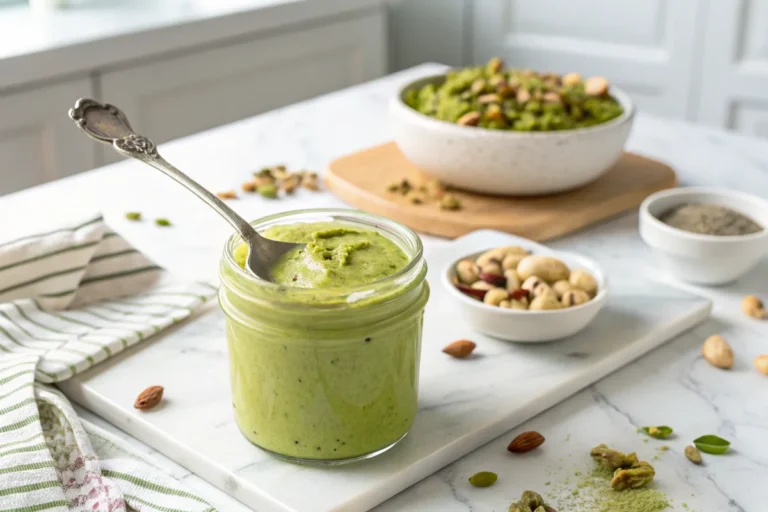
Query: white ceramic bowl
x=704, y=259
x=508, y=162
x=529, y=326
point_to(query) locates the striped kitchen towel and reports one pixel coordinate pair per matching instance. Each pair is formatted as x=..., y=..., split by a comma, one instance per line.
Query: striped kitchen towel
x=70, y=298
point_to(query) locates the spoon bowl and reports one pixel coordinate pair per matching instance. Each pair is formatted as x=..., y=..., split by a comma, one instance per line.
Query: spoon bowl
x=107, y=124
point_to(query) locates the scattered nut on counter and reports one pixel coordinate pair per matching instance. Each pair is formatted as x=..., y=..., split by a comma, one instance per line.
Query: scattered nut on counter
x=425, y=192
x=761, y=363
x=512, y=278
x=753, y=307
x=227, y=194
x=717, y=352
x=149, y=398
x=270, y=181
x=525, y=442
x=693, y=454
x=460, y=348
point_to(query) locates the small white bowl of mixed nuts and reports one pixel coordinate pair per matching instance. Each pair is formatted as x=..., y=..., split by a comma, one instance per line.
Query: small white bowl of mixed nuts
x=526, y=292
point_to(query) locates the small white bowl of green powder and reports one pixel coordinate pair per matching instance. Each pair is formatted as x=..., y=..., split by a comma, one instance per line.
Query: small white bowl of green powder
x=705, y=235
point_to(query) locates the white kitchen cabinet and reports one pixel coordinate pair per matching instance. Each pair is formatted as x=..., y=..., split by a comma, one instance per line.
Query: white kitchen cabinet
x=38, y=141
x=734, y=72
x=650, y=48
x=174, y=97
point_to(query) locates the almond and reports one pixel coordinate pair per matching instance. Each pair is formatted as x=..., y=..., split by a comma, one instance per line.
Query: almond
x=477, y=293
x=460, y=349
x=149, y=398
x=526, y=442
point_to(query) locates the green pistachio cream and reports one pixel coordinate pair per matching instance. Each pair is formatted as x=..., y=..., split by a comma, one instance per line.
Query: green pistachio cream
x=324, y=358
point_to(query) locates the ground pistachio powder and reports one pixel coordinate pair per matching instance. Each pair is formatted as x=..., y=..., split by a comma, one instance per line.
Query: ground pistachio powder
x=592, y=493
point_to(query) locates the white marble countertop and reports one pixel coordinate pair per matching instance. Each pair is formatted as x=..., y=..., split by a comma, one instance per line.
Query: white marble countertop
x=671, y=386
x=91, y=34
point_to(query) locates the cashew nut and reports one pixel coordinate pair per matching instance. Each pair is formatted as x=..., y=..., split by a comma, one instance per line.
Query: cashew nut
x=494, y=296
x=511, y=261
x=574, y=297
x=513, y=280
x=492, y=267
x=545, y=267
x=544, y=302
x=467, y=271
x=584, y=281
x=493, y=254
x=560, y=287
x=518, y=304
x=500, y=253
x=544, y=289
x=515, y=304
x=531, y=283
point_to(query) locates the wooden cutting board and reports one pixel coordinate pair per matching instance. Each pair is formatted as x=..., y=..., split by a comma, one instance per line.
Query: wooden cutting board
x=360, y=179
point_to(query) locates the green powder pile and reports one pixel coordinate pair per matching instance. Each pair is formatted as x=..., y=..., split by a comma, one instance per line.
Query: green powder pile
x=592, y=493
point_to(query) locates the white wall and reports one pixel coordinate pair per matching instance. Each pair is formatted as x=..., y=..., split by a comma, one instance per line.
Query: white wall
x=701, y=60
x=428, y=31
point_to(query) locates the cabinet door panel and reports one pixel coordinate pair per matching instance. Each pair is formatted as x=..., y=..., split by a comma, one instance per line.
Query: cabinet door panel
x=646, y=47
x=734, y=78
x=179, y=96
x=38, y=141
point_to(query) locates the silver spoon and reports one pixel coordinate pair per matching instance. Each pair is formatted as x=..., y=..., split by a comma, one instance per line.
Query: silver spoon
x=106, y=123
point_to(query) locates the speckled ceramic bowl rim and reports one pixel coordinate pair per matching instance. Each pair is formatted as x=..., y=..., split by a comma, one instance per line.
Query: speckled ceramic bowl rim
x=693, y=193
x=430, y=122
x=586, y=263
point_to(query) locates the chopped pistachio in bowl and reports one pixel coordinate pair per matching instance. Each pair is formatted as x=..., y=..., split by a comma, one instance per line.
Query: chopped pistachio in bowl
x=515, y=99
x=559, y=138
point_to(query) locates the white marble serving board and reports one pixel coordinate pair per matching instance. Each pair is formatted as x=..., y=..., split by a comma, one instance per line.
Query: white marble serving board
x=463, y=403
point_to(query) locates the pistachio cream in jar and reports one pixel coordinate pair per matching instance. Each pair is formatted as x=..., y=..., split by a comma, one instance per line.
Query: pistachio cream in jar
x=324, y=356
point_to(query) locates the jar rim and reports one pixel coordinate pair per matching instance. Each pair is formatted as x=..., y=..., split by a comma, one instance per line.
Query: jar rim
x=395, y=231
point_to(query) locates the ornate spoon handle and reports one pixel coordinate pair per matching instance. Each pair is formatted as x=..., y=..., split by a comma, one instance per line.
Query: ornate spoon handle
x=106, y=123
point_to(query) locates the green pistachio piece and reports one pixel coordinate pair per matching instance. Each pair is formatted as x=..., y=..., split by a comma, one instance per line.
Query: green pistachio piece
x=483, y=479
x=712, y=444
x=639, y=475
x=163, y=222
x=660, y=432
x=268, y=190
x=133, y=216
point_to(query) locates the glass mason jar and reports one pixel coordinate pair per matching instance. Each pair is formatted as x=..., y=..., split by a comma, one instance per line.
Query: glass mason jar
x=325, y=375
